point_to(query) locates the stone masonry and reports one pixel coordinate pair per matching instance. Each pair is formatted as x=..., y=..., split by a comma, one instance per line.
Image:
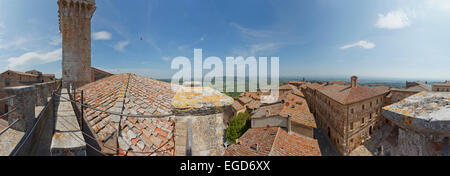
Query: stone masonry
x=75, y=27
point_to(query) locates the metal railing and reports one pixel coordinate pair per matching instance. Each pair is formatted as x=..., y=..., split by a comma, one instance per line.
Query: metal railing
x=115, y=113
x=8, y=127
x=8, y=113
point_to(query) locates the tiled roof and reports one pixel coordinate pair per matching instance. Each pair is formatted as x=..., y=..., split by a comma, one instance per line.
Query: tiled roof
x=237, y=106
x=20, y=73
x=273, y=142
x=313, y=85
x=418, y=87
x=48, y=75
x=294, y=106
x=446, y=83
x=286, y=87
x=137, y=95
x=292, y=145
x=297, y=108
x=345, y=94
x=268, y=111
x=336, y=82
x=245, y=99
x=254, y=142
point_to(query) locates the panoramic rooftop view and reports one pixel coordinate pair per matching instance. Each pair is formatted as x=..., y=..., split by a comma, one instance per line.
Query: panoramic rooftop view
x=224, y=78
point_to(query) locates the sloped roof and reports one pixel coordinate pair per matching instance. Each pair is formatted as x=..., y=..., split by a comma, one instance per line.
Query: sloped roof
x=273, y=142
x=137, y=95
x=237, y=106
x=446, y=83
x=297, y=108
x=345, y=94
x=313, y=85
x=268, y=111
x=19, y=73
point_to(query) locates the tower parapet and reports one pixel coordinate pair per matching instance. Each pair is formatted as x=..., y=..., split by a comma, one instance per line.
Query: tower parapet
x=75, y=27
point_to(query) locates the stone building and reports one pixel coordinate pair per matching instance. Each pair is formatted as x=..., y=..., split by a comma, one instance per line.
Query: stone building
x=273, y=141
x=397, y=94
x=97, y=74
x=12, y=78
x=441, y=87
x=420, y=125
x=291, y=113
x=348, y=114
x=75, y=27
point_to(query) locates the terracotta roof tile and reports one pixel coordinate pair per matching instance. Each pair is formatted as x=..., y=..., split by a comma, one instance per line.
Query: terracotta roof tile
x=273, y=142
x=144, y=96
x=345, y=94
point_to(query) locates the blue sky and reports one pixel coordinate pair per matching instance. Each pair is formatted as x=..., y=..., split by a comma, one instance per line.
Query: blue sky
x=321, y=38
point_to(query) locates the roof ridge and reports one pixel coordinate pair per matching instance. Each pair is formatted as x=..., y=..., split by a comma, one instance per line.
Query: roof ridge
x=274, y=140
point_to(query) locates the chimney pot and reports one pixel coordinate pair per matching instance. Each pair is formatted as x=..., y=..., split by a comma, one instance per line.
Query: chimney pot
x=354, y=81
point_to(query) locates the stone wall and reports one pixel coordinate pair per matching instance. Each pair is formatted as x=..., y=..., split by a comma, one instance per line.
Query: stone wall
x=300, y=129
x=276, y=121
x=207, y=135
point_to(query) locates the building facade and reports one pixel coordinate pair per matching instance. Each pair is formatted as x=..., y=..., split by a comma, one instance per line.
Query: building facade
x=441, y=87
x=12, y=78
x=348, y=114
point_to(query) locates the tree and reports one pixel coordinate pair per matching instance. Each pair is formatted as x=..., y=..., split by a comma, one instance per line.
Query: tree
x=238, y=126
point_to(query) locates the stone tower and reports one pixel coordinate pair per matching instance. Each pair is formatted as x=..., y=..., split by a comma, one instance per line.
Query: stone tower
x=75, y=27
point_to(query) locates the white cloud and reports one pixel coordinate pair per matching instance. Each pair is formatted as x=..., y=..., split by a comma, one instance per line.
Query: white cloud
x=31, y=59
x=120, y=46
x=439, y=4
x=393, y=20
x=102, y=35
x=364, y=44
x=258, y=49
x=17, y=43
x=251, y=33
x=165, y=58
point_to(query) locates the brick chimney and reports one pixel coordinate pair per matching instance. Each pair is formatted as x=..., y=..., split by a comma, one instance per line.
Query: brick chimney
x=354, y=81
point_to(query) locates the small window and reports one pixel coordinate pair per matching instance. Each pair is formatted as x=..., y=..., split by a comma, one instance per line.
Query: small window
x=363, y=107
x=351, y=111
x=351, y=126
x=362, y=121
x=370, y=104
x=7, y=81
x=438, y=89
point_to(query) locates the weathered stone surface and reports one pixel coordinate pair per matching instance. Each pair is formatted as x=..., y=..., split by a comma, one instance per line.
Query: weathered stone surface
x=24, y=102
x=75, y=26
x=67, y=139
x=200, y=100
x=207, y=135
